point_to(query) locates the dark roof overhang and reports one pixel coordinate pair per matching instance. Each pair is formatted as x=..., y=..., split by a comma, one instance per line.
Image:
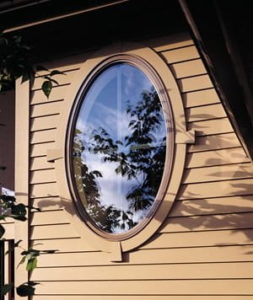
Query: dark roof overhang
x=19, y=14
x=222, y=31
x=73, y=29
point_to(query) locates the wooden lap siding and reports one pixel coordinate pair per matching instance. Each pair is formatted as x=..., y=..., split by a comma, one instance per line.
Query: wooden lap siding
x=203, y=251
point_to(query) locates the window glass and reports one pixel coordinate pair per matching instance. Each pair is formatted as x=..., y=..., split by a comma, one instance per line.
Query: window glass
x=119, y=147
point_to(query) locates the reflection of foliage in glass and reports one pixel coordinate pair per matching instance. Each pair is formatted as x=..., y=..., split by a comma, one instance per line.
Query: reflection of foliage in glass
x=140, y=154
x=107, y=218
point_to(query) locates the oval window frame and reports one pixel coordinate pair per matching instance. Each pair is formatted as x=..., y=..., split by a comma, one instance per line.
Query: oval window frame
x=142, y=65
x=181, y=138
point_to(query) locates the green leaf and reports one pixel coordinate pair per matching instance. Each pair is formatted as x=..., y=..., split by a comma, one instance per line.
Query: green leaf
x=7, y=198
x=5, y=289
x=31, y=264
x=26, y=289
x=2, y=231
x=18, y=211
x=20, y=218
x=47, y=87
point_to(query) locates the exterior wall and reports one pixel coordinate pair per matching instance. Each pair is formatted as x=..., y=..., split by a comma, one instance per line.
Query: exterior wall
x=7, y=133
x=204, y=249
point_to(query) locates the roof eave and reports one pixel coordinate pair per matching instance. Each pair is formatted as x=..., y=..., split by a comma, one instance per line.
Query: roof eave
x=223, y=66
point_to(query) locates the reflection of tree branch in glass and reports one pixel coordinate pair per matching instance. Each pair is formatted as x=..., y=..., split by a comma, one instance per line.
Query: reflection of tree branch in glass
x=119, y=148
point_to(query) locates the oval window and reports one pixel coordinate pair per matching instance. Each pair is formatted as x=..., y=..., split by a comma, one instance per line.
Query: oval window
x=118, y=149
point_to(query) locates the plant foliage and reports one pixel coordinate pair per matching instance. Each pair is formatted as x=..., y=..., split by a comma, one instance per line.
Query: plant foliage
x=9, y=208
x=16, y=61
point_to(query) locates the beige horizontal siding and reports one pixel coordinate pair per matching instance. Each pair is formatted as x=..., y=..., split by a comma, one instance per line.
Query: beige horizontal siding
x=219, y=205
x=148, y=272
x=209, y=222
x=215, y=126
x=205, y=112
x=189, y=68
x=57, y=93
x=207, y=206
x=216, y=189
x=222, y=172
x=40, y=163
x=201, y=254
x=186, y=287
x=48, y=203
x=200, y=98
x=140, y=297
x=41, y=149
x=73, y=244
x=44, y=136
x=214, y=142
x=201, y=239
x=195, y=83
x=42, y=176
x=44, y=123
x=180, y=54
x=62, y=79
x=44, y=190
x=171, y=42
x=216, y=157
x=53, y=231
x=46, y=108
x=49, y=217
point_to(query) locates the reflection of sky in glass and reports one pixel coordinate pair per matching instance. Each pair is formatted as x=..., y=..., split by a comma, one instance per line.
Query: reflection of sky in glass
x=109, y=96
x=105, y=106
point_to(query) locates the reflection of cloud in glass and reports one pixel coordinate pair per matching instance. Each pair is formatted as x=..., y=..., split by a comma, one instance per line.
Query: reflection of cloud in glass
x=114, y=188
x=105, y=122
x=133, y=82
